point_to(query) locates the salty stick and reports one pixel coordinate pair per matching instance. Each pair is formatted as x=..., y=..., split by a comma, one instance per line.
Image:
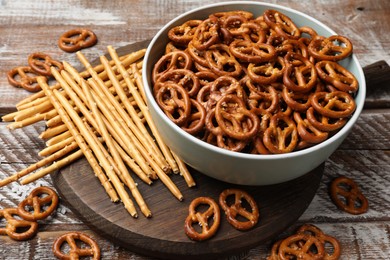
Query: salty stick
x=136, y=135
x=54, y=148
x=34, y=96
x=76, y=120
x=79, y=139
x=53, y=131
x=98, y=68
x=42, y=107
x=134, y=115
x=59, y=154
x=9, y=117
x=71, y=87
x=136, y=150
x=58, y=138
x=160, y=173
x=142, y=105
x=27, y=121
x=184, y=171
x=56, y=165
x=114, y=152
x=32, y=103
x=131, y=58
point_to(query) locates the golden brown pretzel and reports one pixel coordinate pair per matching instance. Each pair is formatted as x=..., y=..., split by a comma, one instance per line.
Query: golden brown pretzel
x=298, y=246
x=345, y=193
x=336, y=104
x=234, y=119
x=300, y=74
x=236, y=209
x=42, y=200
x=77, y=39
x=267, y=72
x=282, y=24
x=206, y=34
x=307, y=131
x=221, y=61
x=252, y=52
x=337, y=75
x=184, y=33
x=170, y=61
x=204, y=218
x=16, y=227
x=41, y=62
x=24, y=77
x=281, y=136
x=335, y=247
x=75, y=252
x=333, y=48
x=174, y=100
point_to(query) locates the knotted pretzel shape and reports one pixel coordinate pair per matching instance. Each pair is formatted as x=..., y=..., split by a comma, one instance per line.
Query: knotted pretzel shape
x=281, y=136
x=282, y=24
x=75, y=252
x=335, y=104
x=24, y=77
x=337, y=75
x=300, y=246
x=347, y=196
x=43, y=201
x=41, y=62
x=335, y=248
x=170, y=61
x=16, y=227
x=175, y=102
x=236, y=209
x=234, y=119
x=333, y=48
x=202, y=218
x=77, y=39
x=184, y=33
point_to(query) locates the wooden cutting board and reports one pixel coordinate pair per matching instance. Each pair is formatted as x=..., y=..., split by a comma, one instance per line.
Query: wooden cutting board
x=163, y=235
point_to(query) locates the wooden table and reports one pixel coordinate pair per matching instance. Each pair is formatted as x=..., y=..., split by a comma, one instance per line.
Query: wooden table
x=31, y=26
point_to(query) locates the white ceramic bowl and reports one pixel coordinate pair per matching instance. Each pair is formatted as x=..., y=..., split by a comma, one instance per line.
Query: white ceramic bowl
x=235, y=167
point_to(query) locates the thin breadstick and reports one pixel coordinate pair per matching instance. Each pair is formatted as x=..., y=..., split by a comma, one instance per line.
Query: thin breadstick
x=58, y=138
x=80, y=101
x=32, y=103
x=142, y=105
x=184, y=171
x=27, y=121
x=98, y=68
x=121, y=113
x=114, y=152
x=36, y=95
x=9, y=117
x=59, y=154
x=138, y=81
x=160, y=173
x=80, y=140
x=136, y=150
x=157, y=155
x=56, y=165
x=75, y=119
x=42, y=107
x=53, y=131
x=54, y=148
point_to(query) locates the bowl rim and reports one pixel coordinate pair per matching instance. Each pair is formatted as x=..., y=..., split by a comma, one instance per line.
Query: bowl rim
x=339, y=134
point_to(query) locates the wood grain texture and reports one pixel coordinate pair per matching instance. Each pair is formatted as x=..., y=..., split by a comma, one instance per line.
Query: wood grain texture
x=28, y=26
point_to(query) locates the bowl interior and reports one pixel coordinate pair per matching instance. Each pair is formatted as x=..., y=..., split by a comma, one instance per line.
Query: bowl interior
x=157, y=46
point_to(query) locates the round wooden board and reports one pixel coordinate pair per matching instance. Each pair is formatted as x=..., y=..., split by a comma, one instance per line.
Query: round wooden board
x=163, y=235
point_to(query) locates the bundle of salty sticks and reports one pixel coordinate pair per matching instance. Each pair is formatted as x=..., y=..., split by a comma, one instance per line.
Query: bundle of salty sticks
x=100, y=113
